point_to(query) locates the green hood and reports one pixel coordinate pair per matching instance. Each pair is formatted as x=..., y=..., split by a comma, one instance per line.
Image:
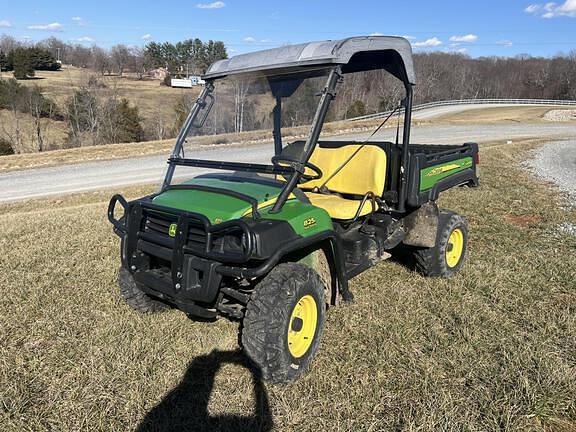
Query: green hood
x=218, y=207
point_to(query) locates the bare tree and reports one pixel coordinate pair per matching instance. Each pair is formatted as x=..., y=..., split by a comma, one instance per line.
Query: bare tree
x=241, y=88
x=120, y=55
x=138, y=61
x=100, y=60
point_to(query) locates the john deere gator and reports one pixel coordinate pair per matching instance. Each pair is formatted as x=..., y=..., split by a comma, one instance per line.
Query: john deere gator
x=267, y=228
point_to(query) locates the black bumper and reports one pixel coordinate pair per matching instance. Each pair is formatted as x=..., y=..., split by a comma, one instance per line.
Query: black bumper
x=193, y=266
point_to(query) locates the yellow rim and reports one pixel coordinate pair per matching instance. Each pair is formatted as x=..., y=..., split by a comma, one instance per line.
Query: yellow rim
x=454, y=248
x=302, y=326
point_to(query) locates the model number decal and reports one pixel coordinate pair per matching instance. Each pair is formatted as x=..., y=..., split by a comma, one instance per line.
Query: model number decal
x=310, y=222
x=445, y=168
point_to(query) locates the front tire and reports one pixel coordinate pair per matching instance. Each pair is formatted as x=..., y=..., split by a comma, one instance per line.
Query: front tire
x=284, y=322
x=447, y=257
x=134, y=296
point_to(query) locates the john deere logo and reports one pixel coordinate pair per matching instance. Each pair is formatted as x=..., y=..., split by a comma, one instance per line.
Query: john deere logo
x=172, y=230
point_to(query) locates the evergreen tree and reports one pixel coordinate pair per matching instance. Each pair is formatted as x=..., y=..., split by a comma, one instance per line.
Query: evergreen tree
x=22, y=63
x=3, y=62
x=128, y=120
x=192, y=52
x=42, y=59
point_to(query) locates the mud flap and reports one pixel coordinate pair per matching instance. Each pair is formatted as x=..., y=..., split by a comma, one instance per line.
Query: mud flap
x=422, y=226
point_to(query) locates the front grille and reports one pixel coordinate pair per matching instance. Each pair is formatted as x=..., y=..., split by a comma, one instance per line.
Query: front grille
x=157, y=226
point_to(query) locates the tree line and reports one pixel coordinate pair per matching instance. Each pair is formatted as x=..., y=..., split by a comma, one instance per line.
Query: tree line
x=25, y=60
x=193, y=55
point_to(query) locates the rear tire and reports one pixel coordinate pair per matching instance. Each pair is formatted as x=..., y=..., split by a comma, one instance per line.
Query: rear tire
x=135, y=297
x=447, y=257
x=284, y=322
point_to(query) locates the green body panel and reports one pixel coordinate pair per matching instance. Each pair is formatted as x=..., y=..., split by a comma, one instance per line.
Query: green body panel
x=304, y=218
x=432, y=175
x=217, y=207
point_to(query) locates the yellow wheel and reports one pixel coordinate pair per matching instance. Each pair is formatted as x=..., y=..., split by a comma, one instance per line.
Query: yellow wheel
x=283, y=323
x=454, y=248
x=302, y=326
x=447, y=257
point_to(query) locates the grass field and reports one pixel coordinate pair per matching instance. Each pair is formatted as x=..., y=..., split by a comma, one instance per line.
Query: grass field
x=491, y=349
x=155, y=102
x=516, y=114
x=149, y=96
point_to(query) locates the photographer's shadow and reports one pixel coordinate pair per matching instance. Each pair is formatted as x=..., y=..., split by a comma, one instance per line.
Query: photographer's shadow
x=185, y=408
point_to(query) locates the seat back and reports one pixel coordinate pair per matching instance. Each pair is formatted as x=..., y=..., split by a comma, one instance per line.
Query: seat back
x=365, y=172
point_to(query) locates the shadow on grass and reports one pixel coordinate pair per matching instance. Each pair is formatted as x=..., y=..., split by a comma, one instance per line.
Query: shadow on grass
x=185, y=408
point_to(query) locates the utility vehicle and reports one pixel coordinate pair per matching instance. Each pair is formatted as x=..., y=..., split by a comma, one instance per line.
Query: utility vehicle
x=274, y=237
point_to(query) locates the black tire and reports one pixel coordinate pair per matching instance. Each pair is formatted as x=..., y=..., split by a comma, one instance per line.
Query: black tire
x=135, y=297
x=434, y=261
x=269, y=318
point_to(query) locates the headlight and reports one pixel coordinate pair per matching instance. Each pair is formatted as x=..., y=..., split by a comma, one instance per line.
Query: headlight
x=232, y=241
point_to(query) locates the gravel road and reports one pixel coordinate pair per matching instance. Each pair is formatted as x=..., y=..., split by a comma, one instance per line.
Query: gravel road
x=42, y=182
x=556, y=162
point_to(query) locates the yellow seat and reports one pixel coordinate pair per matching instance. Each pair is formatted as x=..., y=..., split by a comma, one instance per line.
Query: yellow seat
x=338, y=207
x=365, y=172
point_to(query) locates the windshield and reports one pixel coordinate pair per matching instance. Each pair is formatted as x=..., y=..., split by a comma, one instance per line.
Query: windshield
x=237, y=121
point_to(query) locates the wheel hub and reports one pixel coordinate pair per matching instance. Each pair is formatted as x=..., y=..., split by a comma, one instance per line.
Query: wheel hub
x=302, y=326
x=454, y=248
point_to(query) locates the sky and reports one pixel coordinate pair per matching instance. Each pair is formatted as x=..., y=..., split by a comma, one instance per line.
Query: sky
x=476, y=28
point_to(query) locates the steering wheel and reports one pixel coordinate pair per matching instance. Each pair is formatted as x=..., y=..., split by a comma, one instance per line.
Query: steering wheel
x=277, y=160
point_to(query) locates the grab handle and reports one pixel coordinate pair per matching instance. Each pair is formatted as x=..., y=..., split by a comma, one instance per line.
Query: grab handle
x=119, y=226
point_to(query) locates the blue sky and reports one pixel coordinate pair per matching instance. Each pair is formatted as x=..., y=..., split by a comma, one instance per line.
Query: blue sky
x=487, y=27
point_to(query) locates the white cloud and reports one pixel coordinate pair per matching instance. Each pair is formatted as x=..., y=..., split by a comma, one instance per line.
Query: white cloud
x=553, y=10
x=462, y=51
x=265, y=40
x=146, y=36
x=432, y=42
x=249, y=39
x=5, y=23
x=504, y=42
x=376, y=34
x=56, y=27
x=465, y=38
x=79, y=20
x=84, y=39
x=213, y=5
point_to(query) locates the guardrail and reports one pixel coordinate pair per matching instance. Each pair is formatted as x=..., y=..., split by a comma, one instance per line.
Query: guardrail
x=473, y=102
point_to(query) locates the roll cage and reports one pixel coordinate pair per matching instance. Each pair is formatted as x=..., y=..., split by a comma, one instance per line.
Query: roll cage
x=339, y=57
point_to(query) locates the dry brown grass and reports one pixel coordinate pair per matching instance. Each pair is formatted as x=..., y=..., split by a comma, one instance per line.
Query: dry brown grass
x=505, y=114
x=149, y=96
x=54, y=132
x=491, y=349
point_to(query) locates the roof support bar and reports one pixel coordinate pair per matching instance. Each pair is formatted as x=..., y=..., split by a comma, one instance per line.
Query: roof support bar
x=405, y=165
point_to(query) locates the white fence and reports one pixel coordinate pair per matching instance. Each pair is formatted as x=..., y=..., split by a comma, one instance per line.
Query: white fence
x=474, y=102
